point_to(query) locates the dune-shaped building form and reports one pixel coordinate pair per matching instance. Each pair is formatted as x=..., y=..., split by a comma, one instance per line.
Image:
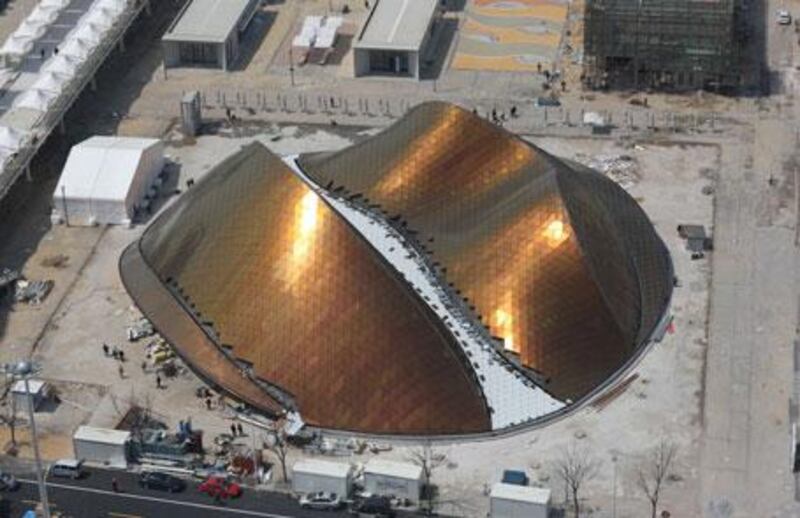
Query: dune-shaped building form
x=269, y=293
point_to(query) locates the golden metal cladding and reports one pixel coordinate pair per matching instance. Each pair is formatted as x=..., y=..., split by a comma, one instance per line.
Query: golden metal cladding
x=556, y=260
x=298, y=294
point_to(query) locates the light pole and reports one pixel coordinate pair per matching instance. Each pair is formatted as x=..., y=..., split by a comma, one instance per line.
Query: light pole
x=614, y=493
x=25, y=369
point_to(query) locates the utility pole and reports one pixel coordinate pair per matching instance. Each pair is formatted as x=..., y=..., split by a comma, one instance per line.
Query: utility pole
x=24, y=369
x=34, y=440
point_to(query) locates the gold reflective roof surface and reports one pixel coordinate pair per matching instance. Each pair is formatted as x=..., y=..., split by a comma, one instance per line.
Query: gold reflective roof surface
x=555, y=259
x=305, y=304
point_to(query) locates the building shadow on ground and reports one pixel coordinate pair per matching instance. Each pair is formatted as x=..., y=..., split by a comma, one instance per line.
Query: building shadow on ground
x=253, y=38
x=443, y=41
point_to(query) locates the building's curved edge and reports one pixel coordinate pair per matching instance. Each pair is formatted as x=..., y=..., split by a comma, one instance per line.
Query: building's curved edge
x=535, y=424
x=141, y=283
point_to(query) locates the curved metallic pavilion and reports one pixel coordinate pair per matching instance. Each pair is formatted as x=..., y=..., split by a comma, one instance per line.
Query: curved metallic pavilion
x=260, y=276
x=269, y=293
x=559, y=262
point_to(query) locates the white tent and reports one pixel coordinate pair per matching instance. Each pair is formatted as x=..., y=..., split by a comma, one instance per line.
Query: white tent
x=113, y=6
x=11, y=141
x=17, y=45
x=326, y=36
x=43, y=15
x=11, y=138
x=62, y=64
x=308, y=33
x=51, y=82
x=35, y=99
x=100, y=16
x=58, y=4
x=106, y=178
x=77, y=47
x=20, y=42
x=89, y=32
x=31, y=29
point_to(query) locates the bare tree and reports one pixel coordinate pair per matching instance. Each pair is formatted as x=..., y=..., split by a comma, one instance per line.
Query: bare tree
x=137, y=410
x=654, y=470
x=276, y=443
x=427, y=458
x=575, y=466
x=11, y=419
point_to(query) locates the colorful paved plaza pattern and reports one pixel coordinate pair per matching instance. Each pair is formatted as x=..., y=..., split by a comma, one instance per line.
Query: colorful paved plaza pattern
x=510, y=35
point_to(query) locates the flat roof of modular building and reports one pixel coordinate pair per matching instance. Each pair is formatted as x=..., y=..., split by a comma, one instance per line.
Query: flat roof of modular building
x=323, y=467
x=207, y=20
x=101, y=435
x=532, y=495
x=390, y=468
x=397, y=24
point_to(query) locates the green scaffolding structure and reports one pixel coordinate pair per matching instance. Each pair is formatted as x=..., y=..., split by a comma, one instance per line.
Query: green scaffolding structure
x=662, y=44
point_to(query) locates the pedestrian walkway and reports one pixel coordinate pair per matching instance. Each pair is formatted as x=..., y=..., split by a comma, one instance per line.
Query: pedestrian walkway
x=46, y=79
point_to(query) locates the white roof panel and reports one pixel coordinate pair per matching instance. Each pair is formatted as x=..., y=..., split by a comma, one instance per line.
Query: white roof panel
x=102, y=435
x=207, y=20
x=36, y=386
x=389, y=468
x=322, y=467
x=397, y=24
x=532, y=495
x=87, y=171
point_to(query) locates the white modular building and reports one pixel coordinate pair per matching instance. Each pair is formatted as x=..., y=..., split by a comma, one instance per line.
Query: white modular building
x=107, y=179
x=39, y=390
x=102, y=446
x=388, y=478
x=208, y=32
x=311, y=475
x=394, y=38
x=513, y=501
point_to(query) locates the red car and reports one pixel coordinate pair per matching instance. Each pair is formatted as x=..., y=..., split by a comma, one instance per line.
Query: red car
x=220, y=486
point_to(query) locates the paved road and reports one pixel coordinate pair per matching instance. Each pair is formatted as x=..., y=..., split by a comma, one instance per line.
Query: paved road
x=92, y=497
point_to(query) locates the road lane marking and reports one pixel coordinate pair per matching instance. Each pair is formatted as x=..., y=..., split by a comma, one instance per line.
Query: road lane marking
x=196, y=505
x=125, y=515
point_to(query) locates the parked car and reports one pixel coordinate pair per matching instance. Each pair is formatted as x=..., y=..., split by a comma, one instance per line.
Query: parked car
x=67, y=468
x=321, y=501
x=374, y=505
x=783, y=17
x=161, y=481
x=220, y=486
x=8, y=482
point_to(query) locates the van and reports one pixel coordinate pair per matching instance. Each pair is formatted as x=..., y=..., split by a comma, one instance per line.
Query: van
x=67, y=468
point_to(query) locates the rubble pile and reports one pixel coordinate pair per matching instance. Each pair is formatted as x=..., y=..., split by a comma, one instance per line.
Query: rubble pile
x=32, y=292
x=23, y=290
x=623, y=169
x=142, y=328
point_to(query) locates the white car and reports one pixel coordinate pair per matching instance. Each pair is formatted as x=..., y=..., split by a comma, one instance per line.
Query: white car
x=783, y=17
x=321, y=501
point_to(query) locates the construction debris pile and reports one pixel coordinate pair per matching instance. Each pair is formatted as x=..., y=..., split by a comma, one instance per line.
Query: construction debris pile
x=341, y=447
x=23, y=290
x=623, y=169
x=142, y=328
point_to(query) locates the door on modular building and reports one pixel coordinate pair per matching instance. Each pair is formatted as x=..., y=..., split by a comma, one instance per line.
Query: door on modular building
x=389, y=62
x=199, y=53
